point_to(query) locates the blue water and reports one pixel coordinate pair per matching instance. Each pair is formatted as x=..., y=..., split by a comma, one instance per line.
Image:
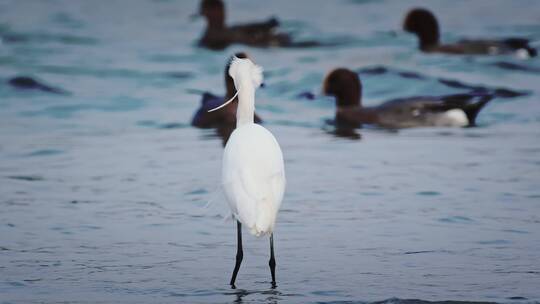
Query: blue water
x=108, y=195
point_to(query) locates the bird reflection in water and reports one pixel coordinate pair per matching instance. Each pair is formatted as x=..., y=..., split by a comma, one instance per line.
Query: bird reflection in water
x=273, y=296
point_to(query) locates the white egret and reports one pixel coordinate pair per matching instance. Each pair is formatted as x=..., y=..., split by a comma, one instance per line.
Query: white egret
x=253, y=173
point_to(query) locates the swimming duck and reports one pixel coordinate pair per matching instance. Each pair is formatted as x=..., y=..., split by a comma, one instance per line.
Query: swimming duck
x=423, y=23
x=224, y=119
x=458, y=110
x=218, y=35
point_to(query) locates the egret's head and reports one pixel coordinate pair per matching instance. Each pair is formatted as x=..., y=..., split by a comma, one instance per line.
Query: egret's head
x=345, y=86
x=229, y=82
x=423, y=23
x=245, y=73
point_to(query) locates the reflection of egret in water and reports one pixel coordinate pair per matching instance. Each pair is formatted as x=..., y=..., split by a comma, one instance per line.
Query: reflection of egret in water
x=253, y=173
x=224, y=119
x=273, y=295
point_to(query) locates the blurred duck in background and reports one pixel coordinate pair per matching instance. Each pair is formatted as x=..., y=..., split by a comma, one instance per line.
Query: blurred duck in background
x=218, y=35
x=458, y=110
x=28, y=83
x=423, y=23
x=224, y=119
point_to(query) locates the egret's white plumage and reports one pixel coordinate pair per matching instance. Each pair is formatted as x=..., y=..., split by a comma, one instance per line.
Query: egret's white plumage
x=254, y=177
x=253, y=170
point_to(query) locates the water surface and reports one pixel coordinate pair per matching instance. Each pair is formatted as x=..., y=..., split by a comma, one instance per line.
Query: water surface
x=108, y=195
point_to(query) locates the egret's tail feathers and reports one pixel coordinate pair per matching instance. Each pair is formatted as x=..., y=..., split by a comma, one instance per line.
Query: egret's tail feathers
x=265, y=220
x=258, y=233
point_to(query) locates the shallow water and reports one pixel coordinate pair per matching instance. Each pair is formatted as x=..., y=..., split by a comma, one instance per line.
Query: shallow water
x=108, y=195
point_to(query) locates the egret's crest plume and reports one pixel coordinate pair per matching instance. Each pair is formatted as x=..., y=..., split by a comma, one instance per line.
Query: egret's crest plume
x=255, y=71
x=225, y=103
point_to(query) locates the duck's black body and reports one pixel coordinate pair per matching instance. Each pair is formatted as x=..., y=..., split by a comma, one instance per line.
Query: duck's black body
x=218, y=35
x=257, y=34
x=518, y=46
x=458, y=110
x=424, y=24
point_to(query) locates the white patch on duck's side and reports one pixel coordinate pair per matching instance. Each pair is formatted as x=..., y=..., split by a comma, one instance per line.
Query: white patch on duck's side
x=451, y=118
x=493, y=50
x=523, y=54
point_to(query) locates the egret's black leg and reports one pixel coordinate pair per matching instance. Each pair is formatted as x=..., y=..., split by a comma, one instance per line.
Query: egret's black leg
x=239, y=255
x=272, y=262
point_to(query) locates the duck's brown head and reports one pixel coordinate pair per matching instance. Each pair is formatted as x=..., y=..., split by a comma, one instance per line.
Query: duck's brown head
x=345, y=85
x=214, y=12
x=229, y=82
x=423, y=23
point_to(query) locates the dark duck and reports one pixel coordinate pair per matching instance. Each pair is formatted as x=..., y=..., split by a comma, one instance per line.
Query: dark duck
x=29, y=83
x=224, y=119
x=218, y=35
x=423, y=23
x=458, y=110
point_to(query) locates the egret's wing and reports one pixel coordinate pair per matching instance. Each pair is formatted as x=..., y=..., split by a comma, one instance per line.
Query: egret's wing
x=240, y=198
x=277, y=183
x=254, y=177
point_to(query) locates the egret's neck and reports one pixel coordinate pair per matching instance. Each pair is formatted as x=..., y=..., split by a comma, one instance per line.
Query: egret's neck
x=246, y=105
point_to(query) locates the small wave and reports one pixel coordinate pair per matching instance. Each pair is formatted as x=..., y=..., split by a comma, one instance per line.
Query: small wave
x=102, y=72
x=418, y=301
x=428, y=193
x=44, y=152
x=456, y=220
x=505, y=65
x=500, y=92
x=37, y=37
x=28, y=178
x=120, y=104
